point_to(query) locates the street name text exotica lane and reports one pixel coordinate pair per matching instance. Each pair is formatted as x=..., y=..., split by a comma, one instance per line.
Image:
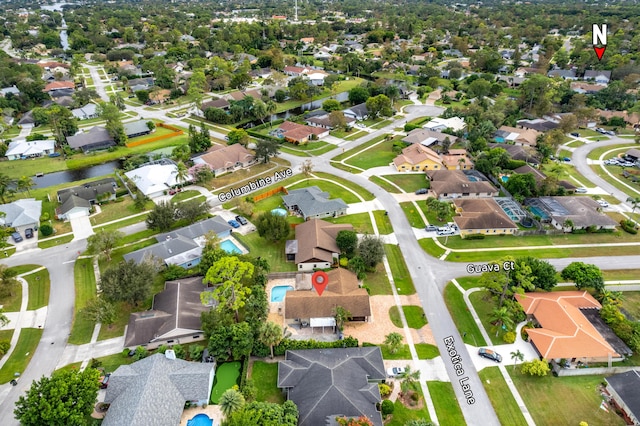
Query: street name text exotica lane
x=456, y=360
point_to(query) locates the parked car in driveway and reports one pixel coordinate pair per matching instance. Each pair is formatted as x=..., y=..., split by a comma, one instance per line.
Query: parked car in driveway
x=241, y=220
x=395, y=371
x=16, y=237
x=581, y=190
x=489, y=354
x=445, y=231
x=233, y=223
x=28, y=232
x=422, y=191
x=603, y=203
x=575, y=134
x=431, y=228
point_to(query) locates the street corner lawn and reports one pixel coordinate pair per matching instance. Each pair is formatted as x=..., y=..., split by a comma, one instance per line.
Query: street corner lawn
x=414, y=315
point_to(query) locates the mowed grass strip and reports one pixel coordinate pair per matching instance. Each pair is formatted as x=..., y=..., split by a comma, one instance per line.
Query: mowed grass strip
x=413, y=314
x=39, y=285
x=85, y=285
x=382, y=222
x=462, y=316
x=22, y=354
x=335, y=191
x=501, y=398
x=359, y=148
x=427, y=351
x=398, y=266
x=446, y=404
x=384, y=185
x=488, y=256
x=431, y=248
x=410, y=182
x=378, y=282
x=265, y=378
x=379, y=155
x=411, y=211
x=363, y=192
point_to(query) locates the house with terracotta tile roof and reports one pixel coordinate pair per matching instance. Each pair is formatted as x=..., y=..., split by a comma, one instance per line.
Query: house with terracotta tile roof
x=457, y=159
x=225, y=159
x=417, y=157
x=59, y=85
x=569, y=326
x=300, y=133
x=316, y=244
x=482, y=216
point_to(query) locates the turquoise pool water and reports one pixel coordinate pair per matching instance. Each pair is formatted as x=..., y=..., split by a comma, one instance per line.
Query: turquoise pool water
x=230, y=247
x=200, y=420
x=278, y=292
x=279, y=212
x=504, y=178
x=539, y=212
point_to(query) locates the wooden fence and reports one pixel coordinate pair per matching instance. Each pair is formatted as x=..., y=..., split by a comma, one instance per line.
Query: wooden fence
x=270, y=193
x=176, y=132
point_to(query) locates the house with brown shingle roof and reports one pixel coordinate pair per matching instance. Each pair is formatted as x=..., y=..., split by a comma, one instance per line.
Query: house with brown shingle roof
x=59, y=85
x=417, y=157
x=428, y=137
x=452, y=184
x=316, y=247
x=482, y=216
x=506, y=134
x=299, y=133
x=566, y=327
x=225, y=159
x=305, y=305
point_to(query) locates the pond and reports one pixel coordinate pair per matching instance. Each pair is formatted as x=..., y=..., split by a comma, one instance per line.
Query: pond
x=67, y=176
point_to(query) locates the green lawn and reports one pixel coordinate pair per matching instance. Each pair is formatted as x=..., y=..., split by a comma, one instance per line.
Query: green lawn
x=39, y=285
x=12, y=302
x=85, y=284
x=384, y=184
x=360, y=148
x=484, y=306
x=334, y=190
x=265, y=378
x=361, y=222
x=468, y=282
x=23, y=269
x=22, y=353
x=120, y=208
x=462, y=317
x=378, y=282
x=501, y=398
x=432, y=217
x=631, y=303
x=412, y=214
x=382, y=222
x=111, y=362
x=366, y=195
x=480, y=256
x=616, y=171
x=398, y=266
x=18, y=168
x=414, y=314
x=227, y=375
x=55, y=241
x=431, y=248
x=270, y=251
x=612, y=149
x=427, y=351
x=446, y=404
x=580, y=396
x=123, y=312
x=403, y=352
x=402, y=414
x=380, y=155
x=410, y=182
x=6, y=335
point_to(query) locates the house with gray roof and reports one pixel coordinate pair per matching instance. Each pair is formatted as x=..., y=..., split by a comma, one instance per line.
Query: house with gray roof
x=358, y=112
x=9, y=90
x=174, y=316
x=330, y=383
x=86, y=112
x=21, y=214
x=312, y=203
x=77, y=201
x=181, y=251
x=136, y=128
x=583, y=212
x=154, y=390
x=623, y=389
x=73, y=207
x=23, y=149
x=96, y=138
x=199, y=230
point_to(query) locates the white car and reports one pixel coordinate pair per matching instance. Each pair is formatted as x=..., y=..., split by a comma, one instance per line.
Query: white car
x=395, y=371
x=581, y=190
x=603, y=203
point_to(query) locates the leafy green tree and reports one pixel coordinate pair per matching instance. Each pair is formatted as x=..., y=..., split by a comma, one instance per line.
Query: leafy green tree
x=337, y=120
x=231, y=400
x=142, y=95
x=65, y=398
x=357, y=266
x=104, y=242
x=227, y=275
x=537, y=367
x=8, y=280
x=270, y=335
x=197, y=86
x=358, y=95
x=111, y=114
x=100, y=310
x=347, y=242
x=542, y=272
x=501, y=317
x=331, y=105
x=238, y=136
x=584, y=276
x=272, y=227
x=118, y=101
x=267, y=148
x=162, y=217
x=379, y=105
x=341, y=316
x=191, y=210
x=128, y=282
x=521, y=186
x=265, y=414
x=371, y=250
x=393, y=341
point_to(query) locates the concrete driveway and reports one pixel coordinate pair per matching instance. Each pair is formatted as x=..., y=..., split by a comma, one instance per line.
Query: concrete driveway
x=81, y=227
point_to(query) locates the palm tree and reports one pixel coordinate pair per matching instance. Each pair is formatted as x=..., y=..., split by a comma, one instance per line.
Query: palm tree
x=231, y=400
x=408, y=378
x=634, y=202
x=501, y=317
x=393, y=342
x=182, y=173
x=5, y=187
x=25, y=183
x=341, y=316
x=517, y=356
x=271, y=107
x=270, y=335
x=608, y=297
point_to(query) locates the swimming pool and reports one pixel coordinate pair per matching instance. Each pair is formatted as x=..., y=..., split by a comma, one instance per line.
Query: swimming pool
x=514, y=217
x=472, y=178
x=279, y=212
x=230, y=247
x=504, y=178
x=200, y=420
x=539, y=212
x=278, y=292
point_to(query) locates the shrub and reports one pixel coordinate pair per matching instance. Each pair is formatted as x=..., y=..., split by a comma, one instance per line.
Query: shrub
x=509, y=337
x=344, y=262
x=385, y=390
x=288, y=344
x=628, y=226
x=537, y=367
x=387, y=407
x=249, y=391
x=180, y=352
x=195, y=352
x=162, y=349
x=474, y=237
x=140, y=353
x=409, y=127
x=45, y=216
x=174, y=272
x=46, y=230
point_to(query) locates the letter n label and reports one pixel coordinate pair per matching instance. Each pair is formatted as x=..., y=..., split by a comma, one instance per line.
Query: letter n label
x=599, y=34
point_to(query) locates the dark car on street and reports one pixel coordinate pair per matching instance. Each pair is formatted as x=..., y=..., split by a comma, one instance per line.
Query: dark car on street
x=489, y=354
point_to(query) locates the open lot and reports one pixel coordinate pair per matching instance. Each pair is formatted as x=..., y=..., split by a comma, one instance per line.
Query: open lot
x=265, y=378
x=379, y=155
x=410, y=182
x=502, y=399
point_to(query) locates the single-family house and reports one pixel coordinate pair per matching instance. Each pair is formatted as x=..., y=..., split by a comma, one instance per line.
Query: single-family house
x=633, y=154
x=22, y=149
x=136, y=128
x=324, y=122
x=417, y=157
x=358, y=112
x=482, y=216
x=294, y=71
x=11, y=90
x=428, y=137
x=568, y=325
x=96, y=138
x=457, y=159
x=77, y=201
x=299, y=133
x=59, y=85
x=632, y=118
x=623, y=389
x=86, y=112
x=329, y=383
x=154, y=390
x=72, y=207
x=563, y=74
x=198, y=231
x=157, y=177
x=136, y=84
x=506, y=134
x=586, y=88
x=601, y=77
x=313, y=203
x=519, y=152
x=180, y=251
x=452, y=184
x=438, y=124
x=27, y=121
x=582, y=212
x=215, y=103
x=224, y=159
x=538, y=124
x=21, y=214
x=316, y=244
x=174, y=317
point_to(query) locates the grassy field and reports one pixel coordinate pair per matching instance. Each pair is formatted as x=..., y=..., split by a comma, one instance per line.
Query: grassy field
x=384, y=185
x=22, y=353
x=414, y=315
x=111, y=362
x=402, y=414
x=412, y=214
x=484, y=306
x=465, y=323
x=361, y=222
x=273, y=252
x=366, y=195
x=378, y=282
x=334, y=190
x=85, y=284
x=426, y=351
x=631, y=303
x=541, y=395
x=401, y=277
x=410, y=182
x=446, y=404
x=265, y=377
x=382, y=222
x=502, y=400
x=227, y=375
x=39, y=284
x=430, y=247
x=485, y=256
x=360, y=148
x=380, y=155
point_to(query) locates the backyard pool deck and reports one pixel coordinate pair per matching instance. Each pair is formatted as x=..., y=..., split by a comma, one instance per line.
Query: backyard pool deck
x=213, y=411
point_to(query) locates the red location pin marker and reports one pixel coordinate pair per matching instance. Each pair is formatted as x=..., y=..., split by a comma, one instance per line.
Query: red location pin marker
x=319, y=280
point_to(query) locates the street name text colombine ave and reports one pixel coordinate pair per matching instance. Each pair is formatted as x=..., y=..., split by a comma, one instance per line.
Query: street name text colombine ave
x=254, y=184
x=456, y=360
x=490, y=267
